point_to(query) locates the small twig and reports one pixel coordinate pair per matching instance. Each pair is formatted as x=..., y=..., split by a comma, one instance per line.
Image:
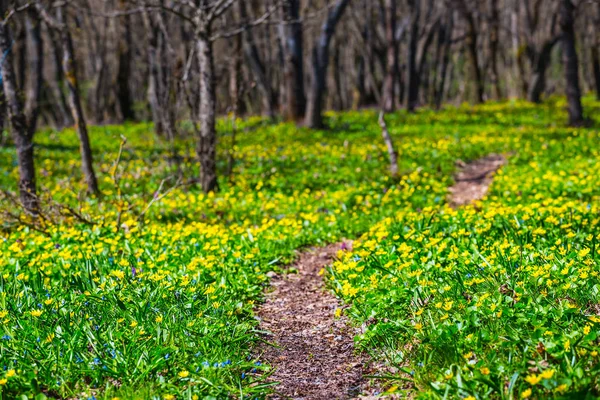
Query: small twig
x=389, y=144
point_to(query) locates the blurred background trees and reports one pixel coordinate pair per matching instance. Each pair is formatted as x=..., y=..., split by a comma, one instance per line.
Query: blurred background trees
x=175, y=61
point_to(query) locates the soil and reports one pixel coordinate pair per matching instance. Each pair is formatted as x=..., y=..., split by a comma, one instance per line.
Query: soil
x=314, y=355
x=473, y=179
x=310, y=348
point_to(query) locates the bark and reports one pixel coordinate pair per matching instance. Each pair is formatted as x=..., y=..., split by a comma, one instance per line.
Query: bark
x=207, y=142
x=412, y=96
x=256, y=64
x=595, y=53
x=235, y=72
x=389, y=144
x=494, y=32
x=21, y=134
x=570, y=62
x=293, y=69
x=35, y=52
x=391, y=76
x=320, y=63
x=70, y=71
x=58, y=83
x=471, y=47
x=540, y=66
x=124, y=68
x=153, y=34
x=445, y=42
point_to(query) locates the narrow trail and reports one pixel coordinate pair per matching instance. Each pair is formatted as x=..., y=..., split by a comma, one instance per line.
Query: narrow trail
x=315, y=357
x=473, y=180
x=313, y=352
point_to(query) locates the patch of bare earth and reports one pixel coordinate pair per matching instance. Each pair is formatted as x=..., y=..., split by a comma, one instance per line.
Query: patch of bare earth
x=313, y=353
x=473, y=179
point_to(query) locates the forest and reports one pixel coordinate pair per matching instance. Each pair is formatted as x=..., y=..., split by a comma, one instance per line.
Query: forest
x=299, y=199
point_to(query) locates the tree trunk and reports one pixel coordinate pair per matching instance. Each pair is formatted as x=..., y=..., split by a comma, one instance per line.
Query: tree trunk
x=207, y=142
x=20, y=132
x=256, y=64
x=389, y=144
x=293, y=69
x=58, y=84
x=391, y=73
x=70, y=71
x=595, y=53
x=570, y=62
x=446, y=39
x=412, y=96
x=35, y=51
x=494, y=32
x=320, y=63
x=538, y=80
x=124, y=69
x=471, y=47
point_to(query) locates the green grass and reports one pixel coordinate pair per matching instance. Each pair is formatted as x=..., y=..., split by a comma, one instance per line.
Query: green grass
x=162, y=305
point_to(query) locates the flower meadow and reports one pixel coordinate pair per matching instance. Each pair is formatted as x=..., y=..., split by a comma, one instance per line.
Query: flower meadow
x=149, y=290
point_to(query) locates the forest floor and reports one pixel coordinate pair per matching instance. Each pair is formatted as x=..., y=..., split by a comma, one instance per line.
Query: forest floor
x=308, y=341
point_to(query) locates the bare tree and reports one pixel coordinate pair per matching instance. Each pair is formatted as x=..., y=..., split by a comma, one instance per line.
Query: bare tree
x=70, y=71
x=293, y=70
x=22, y=134
x=570, y=62
x=320, y=63
x=392, y=72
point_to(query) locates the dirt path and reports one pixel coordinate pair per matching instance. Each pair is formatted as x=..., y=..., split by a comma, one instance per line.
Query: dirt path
x=314, y=354
x=315, y=358
x=474, y=179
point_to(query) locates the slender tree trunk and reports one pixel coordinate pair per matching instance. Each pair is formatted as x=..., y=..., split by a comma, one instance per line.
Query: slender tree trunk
x=494, y=32
x=391, y=73
x=471, y=47
x=35, y=52
x=538, y=79
x=320, y=63
x=293, y=69
x=412, y=95
x=446, y=36
x=256, y=65
x=59, y=81
x=570, y=62
x=389, y=144
x=70, y=71
x=124, y=70
x=21, y=133
x=207, y=142
x=235, y=72
x=595, y=52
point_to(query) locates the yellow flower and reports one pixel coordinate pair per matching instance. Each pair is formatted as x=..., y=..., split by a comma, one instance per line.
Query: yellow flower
x=3, y=314
x=183, y=374
x=133, y=324
x=418, y=326
x=158, y=319
x=533, y=379
x=10, y=373
x=484, y=370
x=168, y=397
x=547, y=374
x=338, y=312
x=525, y=393
x=448, y=305
x=586, y=329
x=470, y=398
x=3, y=381
x=567, y=345
x=562, y=388
x=36, y=313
